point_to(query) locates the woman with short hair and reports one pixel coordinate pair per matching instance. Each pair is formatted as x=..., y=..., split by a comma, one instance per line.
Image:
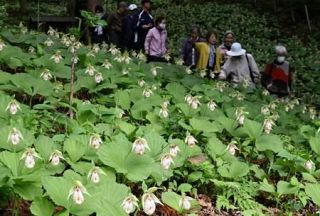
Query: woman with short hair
x=278, y=75
x=156, y=43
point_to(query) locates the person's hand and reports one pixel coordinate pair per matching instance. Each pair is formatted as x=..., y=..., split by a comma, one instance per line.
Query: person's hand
x=147, y=26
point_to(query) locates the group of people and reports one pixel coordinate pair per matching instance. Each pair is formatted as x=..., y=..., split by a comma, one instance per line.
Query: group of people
x=229, y=61
x=130, y=28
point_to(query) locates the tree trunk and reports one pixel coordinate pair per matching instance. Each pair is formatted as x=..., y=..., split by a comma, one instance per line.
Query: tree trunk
x=23, y=6
x=71, y=7
x=91, y=4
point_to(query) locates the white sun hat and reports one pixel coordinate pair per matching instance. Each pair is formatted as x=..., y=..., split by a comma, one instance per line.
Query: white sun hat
x=236, y=50
x=132, y=7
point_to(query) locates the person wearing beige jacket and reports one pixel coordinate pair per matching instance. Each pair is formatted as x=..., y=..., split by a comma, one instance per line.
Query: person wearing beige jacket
x=240, y=68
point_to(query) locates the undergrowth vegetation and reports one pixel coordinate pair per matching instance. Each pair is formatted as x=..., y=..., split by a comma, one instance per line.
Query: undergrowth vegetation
x=136, y=137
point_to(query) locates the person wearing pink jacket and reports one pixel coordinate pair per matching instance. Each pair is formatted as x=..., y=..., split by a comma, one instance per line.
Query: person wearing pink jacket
x=156, y=42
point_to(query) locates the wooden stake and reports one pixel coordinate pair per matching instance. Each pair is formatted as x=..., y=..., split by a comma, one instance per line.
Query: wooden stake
x=293, y=17
x=307, y=15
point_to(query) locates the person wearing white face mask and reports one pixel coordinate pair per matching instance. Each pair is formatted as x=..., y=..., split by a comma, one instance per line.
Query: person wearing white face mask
x=278, y=75
x=156, y=43
x=98, y=32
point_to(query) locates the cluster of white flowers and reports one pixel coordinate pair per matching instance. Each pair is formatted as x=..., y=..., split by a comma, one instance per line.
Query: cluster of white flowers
x=220, y=86
x=51, y=31
x=265, y=92
x=174, y=150
x=23, y=28
x=149, y=201
x=95, y=141
x=114, y=51
x=192, y=101
x=240, y=115
x=267, y=125
x=46, y=75
x=154, y=70
x=55, y=158
x=265, y=110
x=95, y=174
x=106, y=64
x=141, y=83
x=312, y=113
x=77, y=193
x=185, y=202
x=48, y=42
x=178, y=61
x=15, y=136
x=212, y=74
x=167, y=57
x=140, y=145
x=74, y=46
x=31, y=50
x=190, y=140
x=65, y=40
x=164, y=111
x=57, y=57
x=57, y=86
x=125, y=58
x=203, y=73
x=95, y=48
x=130, y=204
x=232, y=148
x=147, y=93
x=98, y=77
x=309, y=165
x=166, y=161
x=238, y=95
x=212, y=105
x=29, y=157
x=13, y=107
x=188, y=70
x=142, y=57
x=2, y=44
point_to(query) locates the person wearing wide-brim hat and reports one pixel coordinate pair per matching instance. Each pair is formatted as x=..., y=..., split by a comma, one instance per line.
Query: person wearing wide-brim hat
x=240, y=68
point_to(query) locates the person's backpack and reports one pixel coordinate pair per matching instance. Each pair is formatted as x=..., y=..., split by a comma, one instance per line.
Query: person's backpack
x=250, y=70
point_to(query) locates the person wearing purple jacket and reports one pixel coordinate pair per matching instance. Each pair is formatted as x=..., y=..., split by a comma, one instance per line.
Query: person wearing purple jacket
x=156, y=43
x=189, y=53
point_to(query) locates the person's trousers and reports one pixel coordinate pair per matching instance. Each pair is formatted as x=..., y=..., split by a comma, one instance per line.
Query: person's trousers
x=155, y=59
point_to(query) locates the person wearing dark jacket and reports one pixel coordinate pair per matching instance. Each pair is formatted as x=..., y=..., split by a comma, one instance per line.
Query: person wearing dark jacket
x=128, y=28
x=189, y=53
x=98, y=34
x=115, y=24
x=143, y=23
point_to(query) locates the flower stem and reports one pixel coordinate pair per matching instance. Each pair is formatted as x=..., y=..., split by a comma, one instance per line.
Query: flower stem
x=72, y=84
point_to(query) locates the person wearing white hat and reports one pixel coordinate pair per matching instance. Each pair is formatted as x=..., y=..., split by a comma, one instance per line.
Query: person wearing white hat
x=240, y=68
x=128, y=26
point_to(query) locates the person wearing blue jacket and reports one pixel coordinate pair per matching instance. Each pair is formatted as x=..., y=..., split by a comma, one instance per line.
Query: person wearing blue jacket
x=143, y=23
